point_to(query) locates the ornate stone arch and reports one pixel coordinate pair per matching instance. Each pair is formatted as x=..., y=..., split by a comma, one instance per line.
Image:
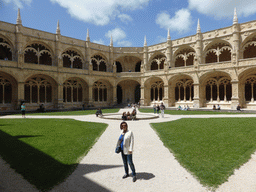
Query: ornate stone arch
x=8, y=90
x=217, y=51
x=6, y=48
x=157, y=62
x=40, y=89
x=99, y=62
x=72, y=58
x=38, y=53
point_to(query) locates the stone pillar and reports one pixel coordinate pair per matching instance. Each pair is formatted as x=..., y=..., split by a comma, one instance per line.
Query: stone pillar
x=196, y=103
x=19, y=52
x=145, y=55
x=169, y=54
x=114, y=95
x=88, y=57
x=60, y=103
x=142, y=99
x=114, y=67
x=236, y=44
x=90, y=103
x=235, y=94
x=21, y=90
x=199, y=57
x=166, y=94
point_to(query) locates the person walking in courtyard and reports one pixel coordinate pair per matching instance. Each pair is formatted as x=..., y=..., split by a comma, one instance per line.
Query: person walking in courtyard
x=127, y=142
x=157, y=109
x=23, y=109
x=162, y=108
x=154, y=107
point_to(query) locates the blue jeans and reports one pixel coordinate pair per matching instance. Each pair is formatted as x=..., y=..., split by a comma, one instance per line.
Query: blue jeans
x=128, y=158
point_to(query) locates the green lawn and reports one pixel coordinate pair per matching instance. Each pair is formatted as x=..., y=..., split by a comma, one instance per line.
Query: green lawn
x=81, y=112
x=210, y=148
x=180, y=112
x=46, y=151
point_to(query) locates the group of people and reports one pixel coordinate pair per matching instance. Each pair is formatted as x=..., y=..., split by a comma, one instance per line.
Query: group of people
x=157, y=108
x=185, y=108
x=216, y=108
x=129, y=116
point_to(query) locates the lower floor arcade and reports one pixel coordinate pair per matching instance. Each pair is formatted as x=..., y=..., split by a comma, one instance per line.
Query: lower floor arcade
x=73, y=92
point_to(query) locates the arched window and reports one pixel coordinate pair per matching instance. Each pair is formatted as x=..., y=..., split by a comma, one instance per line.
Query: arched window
x=38, y=54
x=218, y=89
x=218, y=53
x=157, y=91
x=5, y=50
x=250, y=50
x=72, y=59
x=118, y=67
x=138, y=66
x=38, y=90
x=72, y=91
x=5, y=90
x=99, y=92
x=184, y=90
x=158, y=62
x=99, y=63
x=185, y=57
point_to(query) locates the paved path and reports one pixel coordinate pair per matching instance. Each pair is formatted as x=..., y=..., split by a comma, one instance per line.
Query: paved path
x=157, y=170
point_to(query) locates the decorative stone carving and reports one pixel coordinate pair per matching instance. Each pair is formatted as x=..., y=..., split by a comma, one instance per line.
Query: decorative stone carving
x=216, y=33
x=249, y=26
x=224, y=32
x=209, y=35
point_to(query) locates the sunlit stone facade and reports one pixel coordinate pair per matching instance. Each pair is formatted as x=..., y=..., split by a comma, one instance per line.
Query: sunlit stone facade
x=215, y=67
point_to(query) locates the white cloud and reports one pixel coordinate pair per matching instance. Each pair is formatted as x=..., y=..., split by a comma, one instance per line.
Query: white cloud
x=100, y=41
x=18, y=3
x=99, y=12
x=125, y=18
x=117, y=34
x=181, y=22
x=124, y=43
x=221, y=9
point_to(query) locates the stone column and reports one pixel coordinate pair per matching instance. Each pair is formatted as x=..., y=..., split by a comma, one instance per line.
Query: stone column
x=90, y=103
x=60, y=103
x=21, y=90
x=142, y=99
x=169, y=54
x=197, y=103
x=114, y=95
x=235, y=94
x=166, y=94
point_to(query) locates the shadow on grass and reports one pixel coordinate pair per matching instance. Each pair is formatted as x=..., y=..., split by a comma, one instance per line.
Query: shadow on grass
x=39, y=168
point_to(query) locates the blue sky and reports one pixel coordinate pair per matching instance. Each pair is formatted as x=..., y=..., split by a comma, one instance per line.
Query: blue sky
x=128, y=21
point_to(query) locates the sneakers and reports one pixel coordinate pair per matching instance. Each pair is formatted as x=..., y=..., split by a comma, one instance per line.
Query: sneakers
x=134, y=178
x=125, y=176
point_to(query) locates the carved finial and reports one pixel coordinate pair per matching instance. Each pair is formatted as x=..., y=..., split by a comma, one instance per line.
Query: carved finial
x=18, y=21
x=88, y=37
x=111, y=41
x=58, y=28
x=145, y=41
x=168, y=35
x=198, y=27
x=235, y=19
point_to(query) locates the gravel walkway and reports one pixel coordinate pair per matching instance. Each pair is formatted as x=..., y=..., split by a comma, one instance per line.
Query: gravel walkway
x=157, y=170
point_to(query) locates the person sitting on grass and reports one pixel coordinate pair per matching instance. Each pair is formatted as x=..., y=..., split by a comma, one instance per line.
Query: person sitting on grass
x=218, y=107
x=214, y=107
x=98, y=112
x=179, y=108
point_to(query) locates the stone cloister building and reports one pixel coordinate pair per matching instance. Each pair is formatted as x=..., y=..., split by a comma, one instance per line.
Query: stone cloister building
x=215, y=67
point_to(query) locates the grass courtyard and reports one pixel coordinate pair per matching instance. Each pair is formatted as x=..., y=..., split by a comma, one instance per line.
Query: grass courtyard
x=46, y=151
x=210, y=148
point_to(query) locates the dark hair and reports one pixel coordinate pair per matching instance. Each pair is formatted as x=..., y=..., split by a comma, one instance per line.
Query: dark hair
x=122, y=124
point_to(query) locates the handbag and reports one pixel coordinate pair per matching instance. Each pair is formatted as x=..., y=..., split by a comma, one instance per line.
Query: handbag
x=118, y=145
